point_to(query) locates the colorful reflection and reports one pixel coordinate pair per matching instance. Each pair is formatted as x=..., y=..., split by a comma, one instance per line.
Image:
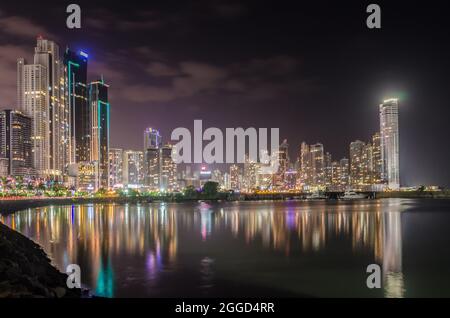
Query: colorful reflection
x=142, y=250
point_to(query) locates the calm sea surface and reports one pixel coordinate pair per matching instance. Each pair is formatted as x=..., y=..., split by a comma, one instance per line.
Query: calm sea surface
x=228, y=249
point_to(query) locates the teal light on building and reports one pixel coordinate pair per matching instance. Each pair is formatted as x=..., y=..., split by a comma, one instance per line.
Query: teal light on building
x=100, y=127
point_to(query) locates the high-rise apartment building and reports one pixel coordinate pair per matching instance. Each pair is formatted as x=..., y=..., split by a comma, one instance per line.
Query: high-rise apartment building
x=32, y=96
x=168, y=171
x=317, y=165
x=15, y=142
x=328, y=169
x=115, y=167
x=389, y=135
x=234, y=177
x=152, y=167
x=76, y=65
x=250, y=174
x=100, y=125
x=47, y=54
x=133, y=168
x=357, y=149
x=377, y=160
x=152, y=138
x=345, y=172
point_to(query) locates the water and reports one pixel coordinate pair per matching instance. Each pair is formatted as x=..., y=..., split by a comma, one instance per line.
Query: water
x=249, y=248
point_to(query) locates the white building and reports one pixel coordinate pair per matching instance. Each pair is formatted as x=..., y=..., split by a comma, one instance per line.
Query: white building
x=133, y=168
x=115, y=167
x=390, y=142
x=41, y=95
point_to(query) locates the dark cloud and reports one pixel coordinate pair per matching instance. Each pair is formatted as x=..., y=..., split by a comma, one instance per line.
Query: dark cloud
x=22, y=28
x=229, y=10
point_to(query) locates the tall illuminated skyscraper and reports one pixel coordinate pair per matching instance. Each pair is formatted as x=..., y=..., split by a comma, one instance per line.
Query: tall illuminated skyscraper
x=234, y=177
x=357, y=149
x=115, y=166
x=168, y=171
x=152, y=160
x=79, y=111
x=390, y=142
x=345, y=172
x=376, y=160
x=15, y=142
x=100, y=117
x=46, y=53
x=317, y=164
x=133, y=168
x=32, y=96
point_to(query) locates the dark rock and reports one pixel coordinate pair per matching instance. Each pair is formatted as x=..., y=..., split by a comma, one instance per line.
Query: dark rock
x=26, y=271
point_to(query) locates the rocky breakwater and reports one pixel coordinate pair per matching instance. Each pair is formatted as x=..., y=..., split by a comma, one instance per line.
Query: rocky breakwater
x=26, y=271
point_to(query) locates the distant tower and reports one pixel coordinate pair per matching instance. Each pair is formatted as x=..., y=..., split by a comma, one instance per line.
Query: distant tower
x=376, y=160
x=115, y=166
x=133, y=168
x=15, y=142
x=390, y=142
x=357, y=149
x=234, y=177
x=168, y=170
x=152, y=138
x=100, y=126
x=79, y=111
x=317, y=164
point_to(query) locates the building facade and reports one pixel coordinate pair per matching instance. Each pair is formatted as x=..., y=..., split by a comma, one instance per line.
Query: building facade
x=133, y=168
x=115, y=167
x=32, y=96
x=389, y=135
x=76, y=65
x=15, y=142
x=100, y=126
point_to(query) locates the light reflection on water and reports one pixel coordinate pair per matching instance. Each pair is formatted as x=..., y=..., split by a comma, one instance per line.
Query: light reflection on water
x=192, y=249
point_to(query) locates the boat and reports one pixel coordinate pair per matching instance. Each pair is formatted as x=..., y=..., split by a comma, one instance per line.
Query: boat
x=352, y=195
x=316, y=196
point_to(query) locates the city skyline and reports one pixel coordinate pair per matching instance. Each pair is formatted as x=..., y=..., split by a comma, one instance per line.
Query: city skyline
x=331, y=106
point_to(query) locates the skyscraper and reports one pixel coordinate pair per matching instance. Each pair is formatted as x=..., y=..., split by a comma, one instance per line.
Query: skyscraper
x=283, y=160
x=250, y=174
x=79, y=111
x=356, y=162
x=168, y=171
x=46, y=53
x=152, y=138
x=345, y=172
x=234, y=177
x=152, y=168
x=377, y=160
x=100, y=114
x=305, y=167
x=32, y=96
x=133, y=168
x=15, y=142
x=390, y=142
x=115, y=166
x=317, y=165
x=328, y=169
x=152, y=158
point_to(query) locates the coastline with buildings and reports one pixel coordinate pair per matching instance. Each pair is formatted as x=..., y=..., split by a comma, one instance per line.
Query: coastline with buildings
x=59, y=136
x=55, y=150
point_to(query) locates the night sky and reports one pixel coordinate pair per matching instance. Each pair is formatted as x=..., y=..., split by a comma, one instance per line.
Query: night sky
x=313, y=70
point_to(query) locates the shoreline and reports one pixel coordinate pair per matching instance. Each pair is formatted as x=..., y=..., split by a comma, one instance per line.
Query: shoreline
x=27, y=272
x=10, y=206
